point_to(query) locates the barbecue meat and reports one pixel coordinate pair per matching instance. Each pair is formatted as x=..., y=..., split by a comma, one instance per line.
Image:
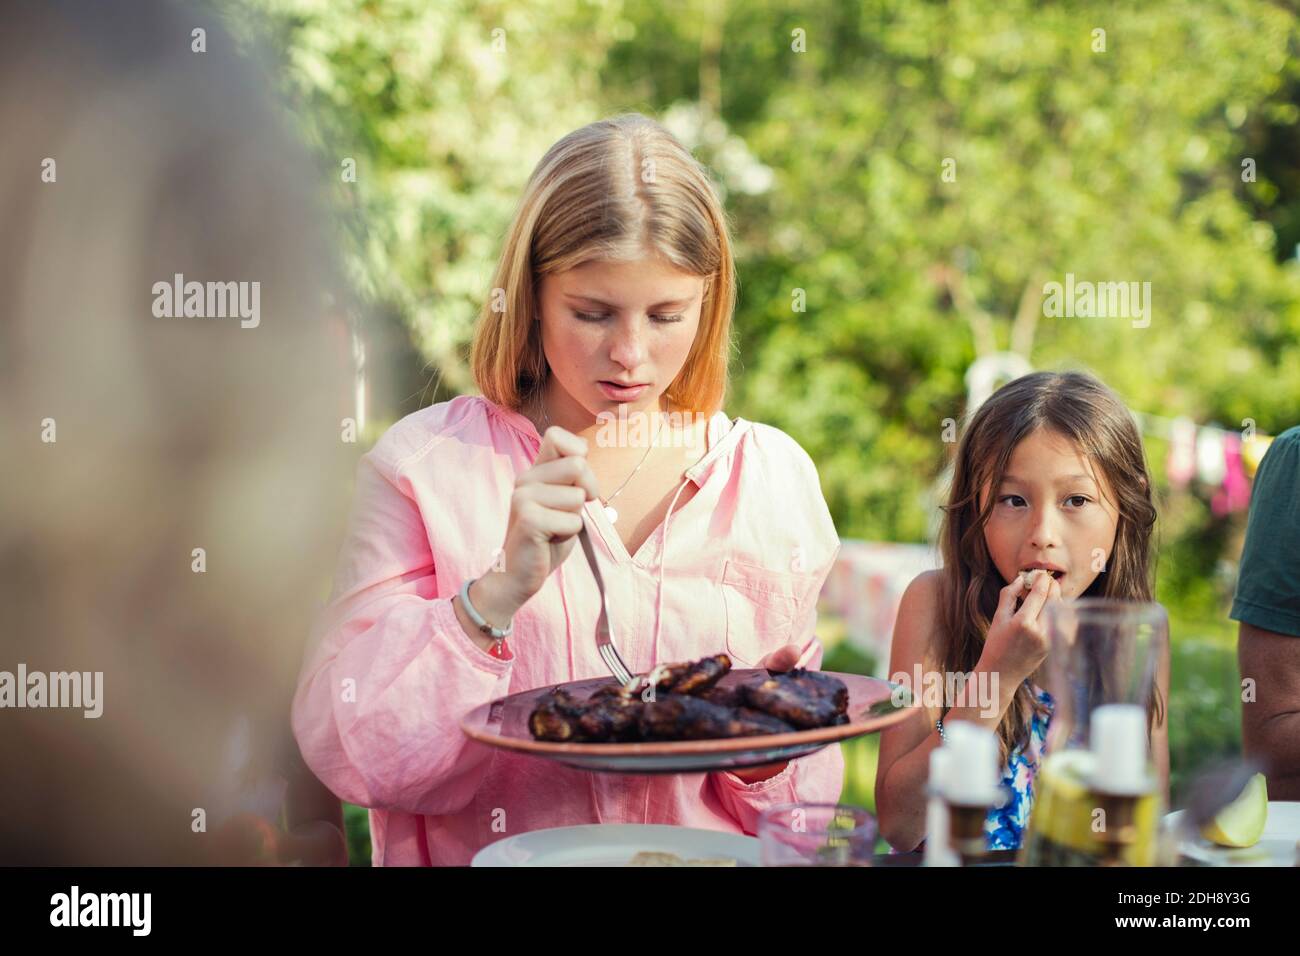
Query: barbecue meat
x=683, y=717
x=731, y=697
x=610, y=714
x=693, y=677
x=757, y=722
x=801, y=698
x=688, y=704
x=556, y=717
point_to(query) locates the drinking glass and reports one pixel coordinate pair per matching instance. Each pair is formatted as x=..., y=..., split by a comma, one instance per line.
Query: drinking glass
x=816, y=834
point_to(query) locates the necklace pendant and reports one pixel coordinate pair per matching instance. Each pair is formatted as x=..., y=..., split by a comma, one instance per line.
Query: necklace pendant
x=611, y=513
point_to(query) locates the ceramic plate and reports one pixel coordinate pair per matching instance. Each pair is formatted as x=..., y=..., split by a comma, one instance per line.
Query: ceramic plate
x=1277, y=847
x=615, y=844
x=504, y=723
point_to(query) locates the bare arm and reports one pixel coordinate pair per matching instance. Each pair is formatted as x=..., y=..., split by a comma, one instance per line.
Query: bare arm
x=904, y=765
x=1270, y=722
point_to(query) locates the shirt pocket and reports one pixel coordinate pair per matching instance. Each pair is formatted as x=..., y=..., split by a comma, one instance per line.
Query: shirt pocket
x=762, y=607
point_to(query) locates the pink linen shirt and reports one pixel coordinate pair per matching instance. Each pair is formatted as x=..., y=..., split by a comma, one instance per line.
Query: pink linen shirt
x=391, y=673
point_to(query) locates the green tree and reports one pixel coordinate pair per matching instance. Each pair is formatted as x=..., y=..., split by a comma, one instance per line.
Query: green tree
x=1077, y=139
x=1114, y=157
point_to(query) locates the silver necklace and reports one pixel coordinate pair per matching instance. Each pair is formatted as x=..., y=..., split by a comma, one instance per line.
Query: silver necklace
x=611, y=512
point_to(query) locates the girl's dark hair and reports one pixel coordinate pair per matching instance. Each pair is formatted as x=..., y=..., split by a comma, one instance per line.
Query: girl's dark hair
x=1078, y=407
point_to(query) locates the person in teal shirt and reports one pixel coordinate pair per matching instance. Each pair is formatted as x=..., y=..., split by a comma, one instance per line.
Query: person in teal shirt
x=1267, y=606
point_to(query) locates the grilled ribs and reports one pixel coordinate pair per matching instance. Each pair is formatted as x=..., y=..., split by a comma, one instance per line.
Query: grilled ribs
x=800, y=697
x=688, y=704
x=556, y=717
x=683, y=717
x=696, y=677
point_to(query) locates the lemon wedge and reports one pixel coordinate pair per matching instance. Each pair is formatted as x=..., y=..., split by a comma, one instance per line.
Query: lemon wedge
x=1241, y=823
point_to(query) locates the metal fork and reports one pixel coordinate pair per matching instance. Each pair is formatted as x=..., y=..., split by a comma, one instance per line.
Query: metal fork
x=604, y=637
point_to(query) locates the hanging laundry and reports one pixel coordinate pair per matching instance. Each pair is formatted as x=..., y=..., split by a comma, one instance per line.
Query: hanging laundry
x=1210, y=463
x=1252, y=452
x=1234, y=493
x=1180, y=465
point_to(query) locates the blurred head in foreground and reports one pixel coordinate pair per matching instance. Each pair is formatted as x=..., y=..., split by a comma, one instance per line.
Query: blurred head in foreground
x=173, y=383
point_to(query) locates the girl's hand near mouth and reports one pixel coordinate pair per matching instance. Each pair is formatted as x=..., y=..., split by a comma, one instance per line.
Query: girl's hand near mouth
x=1018, y=641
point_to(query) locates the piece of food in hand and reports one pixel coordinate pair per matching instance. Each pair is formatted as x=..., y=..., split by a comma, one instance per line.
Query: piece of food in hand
x=1241, y=823
x=802, y=698
x=1030, y=575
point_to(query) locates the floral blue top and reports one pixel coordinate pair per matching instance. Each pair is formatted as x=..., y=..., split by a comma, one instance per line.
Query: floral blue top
x=1006, y=824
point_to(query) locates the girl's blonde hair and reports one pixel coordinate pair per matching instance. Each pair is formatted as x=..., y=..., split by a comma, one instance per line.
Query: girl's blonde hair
x=1082, y=409
x=613, y=190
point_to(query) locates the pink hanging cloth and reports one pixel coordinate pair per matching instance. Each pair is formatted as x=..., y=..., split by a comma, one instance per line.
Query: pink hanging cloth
x=1234, y=494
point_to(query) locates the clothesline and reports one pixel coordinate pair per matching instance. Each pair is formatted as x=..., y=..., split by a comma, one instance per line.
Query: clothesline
x=1162, y=427
x=1220, y=459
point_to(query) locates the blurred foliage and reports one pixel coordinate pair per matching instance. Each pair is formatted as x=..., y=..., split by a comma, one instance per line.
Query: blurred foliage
x=1114, y=166
x=444, y=107
x=1205, y=716
x=827, y=126
x=356, y=822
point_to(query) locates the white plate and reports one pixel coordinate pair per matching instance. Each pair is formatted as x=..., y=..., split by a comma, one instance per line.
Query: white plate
x=614, y=844
x=1277, y=847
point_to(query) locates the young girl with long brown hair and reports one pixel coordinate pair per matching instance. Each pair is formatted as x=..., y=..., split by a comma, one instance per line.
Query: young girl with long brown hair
x=1050, y=478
